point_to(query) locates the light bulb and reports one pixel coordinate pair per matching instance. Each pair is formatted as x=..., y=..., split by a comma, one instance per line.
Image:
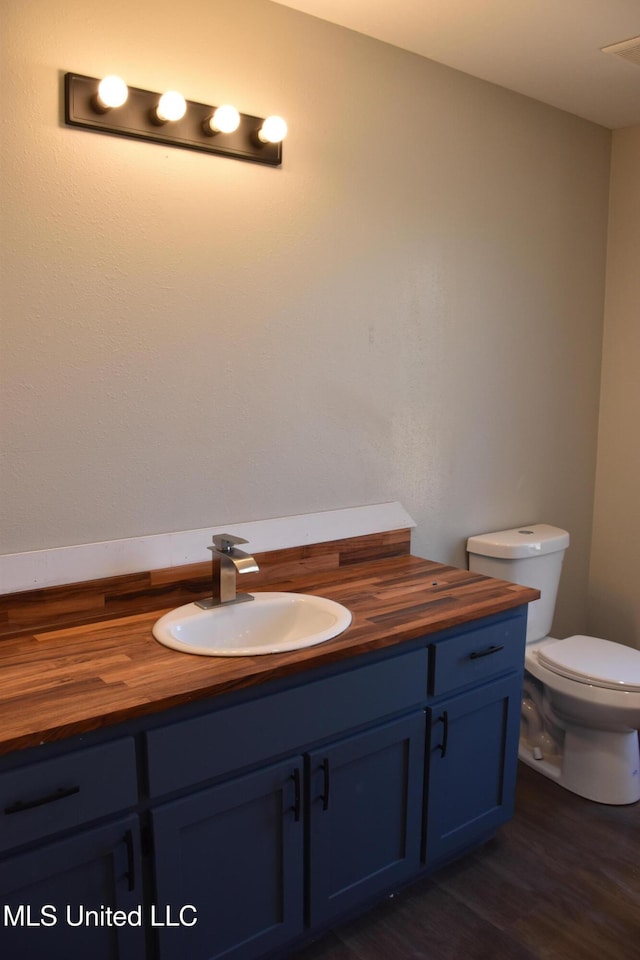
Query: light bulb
x=171, y=107
x=225, y=119
x=273, y=130
x=112, y=92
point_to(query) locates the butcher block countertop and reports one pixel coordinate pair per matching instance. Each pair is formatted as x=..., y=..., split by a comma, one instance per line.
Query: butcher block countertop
x=58, y=683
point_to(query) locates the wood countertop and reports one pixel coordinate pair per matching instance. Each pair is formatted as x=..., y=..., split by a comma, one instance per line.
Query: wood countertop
x=59, y=683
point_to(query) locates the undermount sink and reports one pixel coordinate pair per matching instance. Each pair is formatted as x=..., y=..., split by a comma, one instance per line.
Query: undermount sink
x=270, y=623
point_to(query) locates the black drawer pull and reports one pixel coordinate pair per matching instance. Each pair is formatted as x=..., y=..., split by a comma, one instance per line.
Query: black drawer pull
x=486, y=653
x=60, y=794
x=295, y=776
x=327, y=784
x=442, y=747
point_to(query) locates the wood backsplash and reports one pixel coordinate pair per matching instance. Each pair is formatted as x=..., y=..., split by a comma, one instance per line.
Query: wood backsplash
x=110, y=597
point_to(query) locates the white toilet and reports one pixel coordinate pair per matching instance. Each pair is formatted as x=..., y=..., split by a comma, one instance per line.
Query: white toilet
x=581, y=696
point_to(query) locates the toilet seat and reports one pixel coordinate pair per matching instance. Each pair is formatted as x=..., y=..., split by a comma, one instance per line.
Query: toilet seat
x=592, y=660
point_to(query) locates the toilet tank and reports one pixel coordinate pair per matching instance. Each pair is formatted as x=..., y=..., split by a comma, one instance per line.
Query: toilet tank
x=530, y=555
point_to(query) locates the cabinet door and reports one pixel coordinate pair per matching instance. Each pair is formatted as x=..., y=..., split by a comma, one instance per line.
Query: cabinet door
x=233, y=853
x=473, y=753
x=48, y=897
x=365, y=815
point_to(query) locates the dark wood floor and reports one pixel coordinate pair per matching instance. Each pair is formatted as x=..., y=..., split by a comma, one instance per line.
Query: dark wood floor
x=561, y=881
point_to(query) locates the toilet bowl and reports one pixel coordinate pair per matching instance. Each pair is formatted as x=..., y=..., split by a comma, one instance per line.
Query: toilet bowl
x=581, y=695
x=590, y=725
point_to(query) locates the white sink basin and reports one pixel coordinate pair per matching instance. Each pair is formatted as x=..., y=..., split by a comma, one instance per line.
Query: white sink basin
x=270, y=623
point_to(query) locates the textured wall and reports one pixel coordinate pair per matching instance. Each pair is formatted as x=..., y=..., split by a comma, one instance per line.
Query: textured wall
x=409, y=309
x=614, y=598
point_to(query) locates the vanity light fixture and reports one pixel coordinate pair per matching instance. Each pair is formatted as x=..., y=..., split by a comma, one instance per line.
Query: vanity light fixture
x=224, y=119
x=112, y=92
x=110, y=106
x=171, y=107
x=273, y=130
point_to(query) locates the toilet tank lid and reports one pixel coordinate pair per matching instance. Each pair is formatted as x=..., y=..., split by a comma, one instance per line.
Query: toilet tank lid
x=531, y=540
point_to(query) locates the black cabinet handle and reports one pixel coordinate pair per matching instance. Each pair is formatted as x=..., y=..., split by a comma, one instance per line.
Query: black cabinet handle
x=131, y=860
x=486, y=653
x=327, y=784
x=295, y=776
x=60, y=794
x=442, y=747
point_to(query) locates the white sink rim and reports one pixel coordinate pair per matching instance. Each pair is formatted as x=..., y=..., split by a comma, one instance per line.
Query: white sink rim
x=270, y=623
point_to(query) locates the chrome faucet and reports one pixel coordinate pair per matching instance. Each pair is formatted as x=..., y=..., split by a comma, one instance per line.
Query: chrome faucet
x=226, y=563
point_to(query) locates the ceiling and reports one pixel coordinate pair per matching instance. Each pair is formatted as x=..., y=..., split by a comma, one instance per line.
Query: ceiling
x=545, y=49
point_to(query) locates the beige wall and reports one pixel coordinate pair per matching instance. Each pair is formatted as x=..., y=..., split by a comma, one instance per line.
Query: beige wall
x=614, y=607
x=411, y=308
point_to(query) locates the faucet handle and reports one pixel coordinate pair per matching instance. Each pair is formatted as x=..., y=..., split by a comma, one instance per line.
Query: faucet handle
x=224, y=542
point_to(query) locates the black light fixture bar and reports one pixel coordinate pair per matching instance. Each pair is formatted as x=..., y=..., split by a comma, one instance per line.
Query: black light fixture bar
x=135, y=119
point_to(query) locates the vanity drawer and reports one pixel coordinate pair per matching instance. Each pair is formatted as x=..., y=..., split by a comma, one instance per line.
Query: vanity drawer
x=46, y=797
x=229, y=739
x=477, y=655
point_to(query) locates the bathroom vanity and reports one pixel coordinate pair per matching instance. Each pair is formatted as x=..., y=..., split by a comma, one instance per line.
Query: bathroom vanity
x=206, y=808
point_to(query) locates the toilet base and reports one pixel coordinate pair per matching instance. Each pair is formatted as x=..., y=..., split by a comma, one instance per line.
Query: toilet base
x=596, y=764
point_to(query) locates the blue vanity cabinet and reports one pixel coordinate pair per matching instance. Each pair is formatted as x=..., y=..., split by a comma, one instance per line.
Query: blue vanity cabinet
x=70, y=855
x=235, y=827
x=365, y=803
x=339, y=815
x=231, y=858
x=58, y=900
x=235, y=852
x=473, y=731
